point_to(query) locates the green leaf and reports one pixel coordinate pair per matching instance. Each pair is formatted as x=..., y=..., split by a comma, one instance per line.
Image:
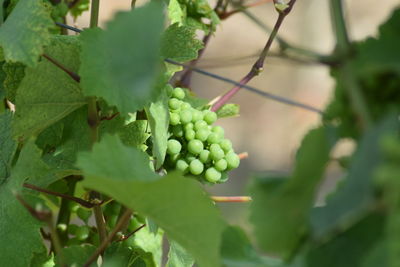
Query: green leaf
x=178, y=256
x=14, y=218
x=76, y=255
x=25, y=32
x=280, y=210
x=228, y=110
x=119, y=254
x=7, y=144
x=168, y=201
x=47, y=94
x=14, y=72
x=80, y=7
x=150, y=243
x=180, y=43
x=120, y=64
x=356, y=195
x=175, y=12
x=158, y=116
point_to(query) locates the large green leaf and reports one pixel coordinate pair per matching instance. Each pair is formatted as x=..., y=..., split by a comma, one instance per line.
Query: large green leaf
x=169, y=201
x=280, y=210
x=25, y=32
x=15, y=221
x=158, y=116
x=179, y=43
x=76, y=255
x=47, y=94
x=356, y=195
x=14, y=72
x=178, y=256
x=120, y=64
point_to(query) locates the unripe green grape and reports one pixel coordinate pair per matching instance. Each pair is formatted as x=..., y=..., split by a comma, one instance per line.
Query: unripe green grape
x=173, y=147
x=226, y=145
x=185, y=105
x=218, y=129
x=195, y=146
x=216, y=152
x=221, y=165
x=178, y=93
x=73, y=206
x=212, y=175
x=224, y=177
x=209, y=116
x=186, y=116
x=174, y=118
x=233, y=160
x=182, y=166
x=190, y=135
x=84, y=214
x=197, y=115
x=190, y=157
x=202, y=134
x=62, y=227
x=174, y=103
x=200, y=124
x=204, y=156
x=170, y=90
x=188, y=126
x=196, y=167
x=177, y=130
x=214, y=138
x=82, y=232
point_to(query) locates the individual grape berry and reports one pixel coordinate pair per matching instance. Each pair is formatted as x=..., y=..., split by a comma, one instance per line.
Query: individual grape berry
x=233, y=160
x=186, y=116
x=202, y=134
x=190, y=157
x=204, y=156
x=188, y=126
x=182, y=166
x=212, y=175
x=185, y=105
x=82, y=232
x=209, y=116
x=216, y=152
x=173, y=147
x=174, y=118
x=221, y=165
x=177, y=130
x=214, y=138
x=200, y=124
x=226, y=145
x=197, y=115
x=190, y=135
x=178, y=93
x=195, y=146
x=196, y=167
x=218, y=129
x=174, y=103
x=84, y=214
x=73, y=207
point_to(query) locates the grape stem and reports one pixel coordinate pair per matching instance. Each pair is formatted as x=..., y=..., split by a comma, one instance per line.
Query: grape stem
x=259, y=64
x=243, y=155
x=231, y=199
x=125, y=237
x=122, y=221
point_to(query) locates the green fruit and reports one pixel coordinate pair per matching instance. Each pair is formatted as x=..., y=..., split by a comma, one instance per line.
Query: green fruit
x=218, y=129
x=212, y=175
x=197, y=115
x=202, y=134
x=190, y=135
x=196, y=167
x=200, y=124
x=185, y=105
x=188, y=126
x=204, y=156
x=174, y=103
x=195, y=146
x=190, y=157
x=221, y=165
x=182, y=166
x=209, y=116
x=233, y=160
x=214, y=138
x=178, y=93
x=82, y=232
x=216, y=152
x=226, y=145
x=177, y=130
x=84, y=214
x=174, y=118
x=173, y=147
x=186, y=116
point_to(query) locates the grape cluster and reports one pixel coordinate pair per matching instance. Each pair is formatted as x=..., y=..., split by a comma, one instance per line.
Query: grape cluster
x=194, y=145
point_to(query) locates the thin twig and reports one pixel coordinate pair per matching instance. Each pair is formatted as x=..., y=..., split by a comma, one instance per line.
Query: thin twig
x=62, y=25
x=259, y=64
x=80, y=201
x=107, y=241
x=231, y=199
x=125, y=237
x=72, y=74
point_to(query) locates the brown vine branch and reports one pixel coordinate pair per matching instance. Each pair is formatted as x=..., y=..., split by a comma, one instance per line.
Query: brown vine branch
x=125, y=237
x=72, y=74
x=225, y=15
x=124, y=219
x=259, y=64
x=80, y=201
